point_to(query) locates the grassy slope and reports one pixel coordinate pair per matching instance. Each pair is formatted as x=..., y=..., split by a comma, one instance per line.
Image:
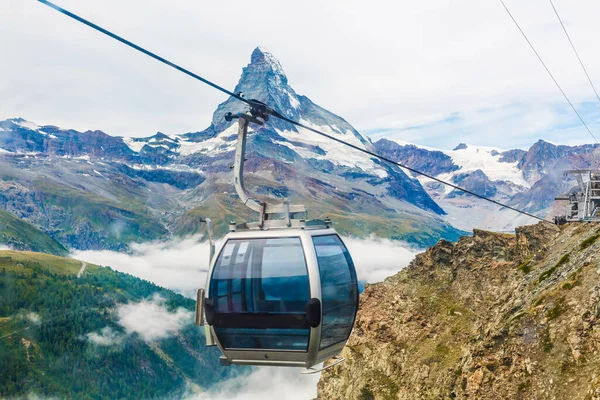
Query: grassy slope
x=53, y=358
x=21, y=235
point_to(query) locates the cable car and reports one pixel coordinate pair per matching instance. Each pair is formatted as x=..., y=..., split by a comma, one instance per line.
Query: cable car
x=280, y=291
x=282, y=297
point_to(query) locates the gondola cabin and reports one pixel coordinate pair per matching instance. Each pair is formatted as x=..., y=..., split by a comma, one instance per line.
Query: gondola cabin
x=283, y=297
x=281, y=291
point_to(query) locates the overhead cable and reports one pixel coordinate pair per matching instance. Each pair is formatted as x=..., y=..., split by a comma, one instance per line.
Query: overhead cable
x=141, y=49
x=575, y=50
x=548, y=71
x=277, y=114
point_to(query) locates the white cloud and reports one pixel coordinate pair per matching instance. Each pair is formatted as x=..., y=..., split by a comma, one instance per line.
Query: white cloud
x=35, y=396
x=4, y=247
x=152, y=320
x=413, y=64
x=265, y=383
x=179, y=264
x=31, y=317
x=376, y=259
x=106, y=337
x=182, y=264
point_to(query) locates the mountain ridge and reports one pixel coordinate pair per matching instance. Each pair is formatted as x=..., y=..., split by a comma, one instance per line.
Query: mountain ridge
x=159, y=183
x=20, y=235
x=527, y=180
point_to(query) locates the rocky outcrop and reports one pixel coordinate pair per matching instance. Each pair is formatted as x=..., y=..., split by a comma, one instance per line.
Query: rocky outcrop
x=511, y=156
x=476, y=182
x=429, y=161
x=543, y=158
x=493, y=316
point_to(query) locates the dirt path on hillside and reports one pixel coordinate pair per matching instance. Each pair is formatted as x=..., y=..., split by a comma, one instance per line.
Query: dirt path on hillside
x=83, y=265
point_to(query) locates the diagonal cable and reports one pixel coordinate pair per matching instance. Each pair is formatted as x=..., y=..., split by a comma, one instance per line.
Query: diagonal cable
x=141, y=49
x=575, y=51
x=548, y=70
x=277, y=114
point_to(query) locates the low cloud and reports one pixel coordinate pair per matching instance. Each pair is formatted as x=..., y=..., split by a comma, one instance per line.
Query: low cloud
x=35, y=396
x=31, y=317
x=34, y=318
x=265, y=383
x=106, y=337
x=151, y=320
x=179, y=264
x=182, y=264
x=4, y=247
x=376, y=259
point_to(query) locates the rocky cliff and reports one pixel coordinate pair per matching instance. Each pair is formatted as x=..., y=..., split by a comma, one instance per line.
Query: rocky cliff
x=493, y=316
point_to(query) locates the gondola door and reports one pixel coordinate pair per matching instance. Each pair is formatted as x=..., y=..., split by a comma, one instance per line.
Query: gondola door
x=259, y=291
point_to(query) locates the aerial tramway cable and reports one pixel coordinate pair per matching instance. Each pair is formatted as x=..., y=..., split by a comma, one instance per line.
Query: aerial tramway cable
x=575, y=51
x=276, y=114
x=548, y=70
x=141, y=49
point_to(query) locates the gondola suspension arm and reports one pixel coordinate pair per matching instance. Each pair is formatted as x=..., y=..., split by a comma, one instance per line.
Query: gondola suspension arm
x=258, y=113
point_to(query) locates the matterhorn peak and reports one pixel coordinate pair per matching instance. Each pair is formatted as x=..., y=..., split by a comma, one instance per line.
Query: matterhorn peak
x=261, y=55
x=265, y=64
x=263, y=79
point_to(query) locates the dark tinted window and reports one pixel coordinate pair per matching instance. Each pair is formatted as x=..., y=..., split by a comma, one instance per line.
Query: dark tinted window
x=261, y=277
x=339, y=289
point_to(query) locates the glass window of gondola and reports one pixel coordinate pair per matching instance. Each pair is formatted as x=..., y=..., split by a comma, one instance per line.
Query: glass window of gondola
x=339, y=289
x=260, y=288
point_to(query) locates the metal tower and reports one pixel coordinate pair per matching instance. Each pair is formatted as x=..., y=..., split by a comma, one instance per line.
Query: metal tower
x=583, y=204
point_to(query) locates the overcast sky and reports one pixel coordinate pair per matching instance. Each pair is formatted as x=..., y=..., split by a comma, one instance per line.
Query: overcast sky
x=435, y=73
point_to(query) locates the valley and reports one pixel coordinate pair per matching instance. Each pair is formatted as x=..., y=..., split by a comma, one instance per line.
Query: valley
x=96, y=333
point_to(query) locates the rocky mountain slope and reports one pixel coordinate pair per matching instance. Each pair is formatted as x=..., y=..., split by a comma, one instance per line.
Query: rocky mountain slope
x=493, y=316
x=91, y=190
x=528, y=180
x=71, y=330
x=20, y=235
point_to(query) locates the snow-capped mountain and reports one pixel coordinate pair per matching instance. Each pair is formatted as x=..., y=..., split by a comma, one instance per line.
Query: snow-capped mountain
x=528, y=180
x=94, y=190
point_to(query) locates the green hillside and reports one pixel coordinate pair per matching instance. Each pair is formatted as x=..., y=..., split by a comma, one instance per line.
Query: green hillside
x=21, y=235
x=47, y=315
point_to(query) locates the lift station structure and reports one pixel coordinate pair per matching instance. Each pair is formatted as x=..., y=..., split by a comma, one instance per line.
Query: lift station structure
x=584, y=203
